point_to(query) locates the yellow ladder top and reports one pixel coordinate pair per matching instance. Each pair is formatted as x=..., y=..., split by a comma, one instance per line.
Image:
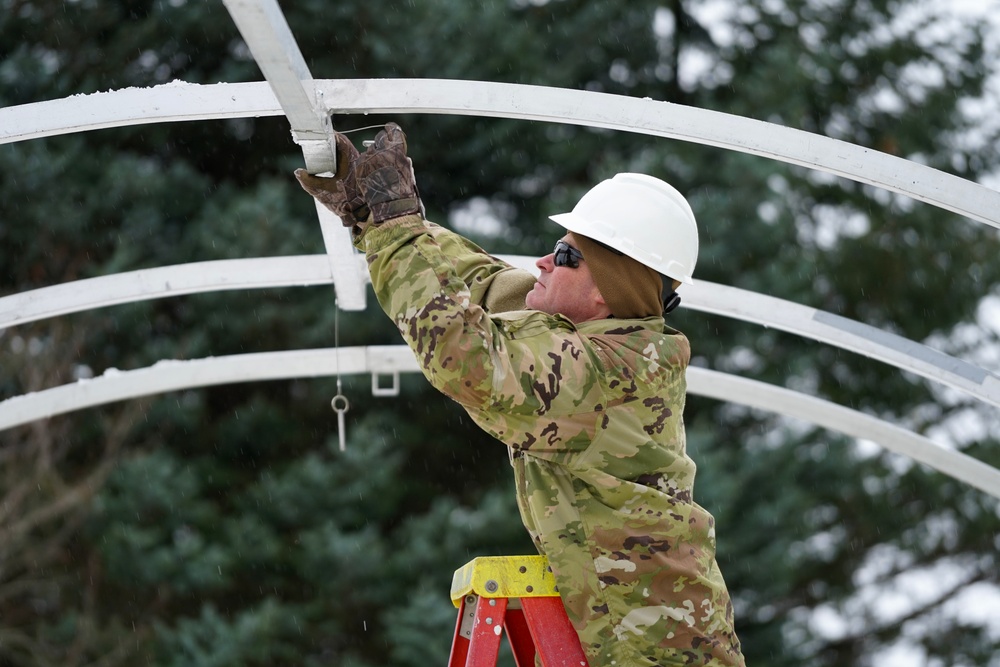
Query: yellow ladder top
x=504, y=577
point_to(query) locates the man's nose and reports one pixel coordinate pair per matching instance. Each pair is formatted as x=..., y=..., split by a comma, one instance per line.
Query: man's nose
x=546, y=263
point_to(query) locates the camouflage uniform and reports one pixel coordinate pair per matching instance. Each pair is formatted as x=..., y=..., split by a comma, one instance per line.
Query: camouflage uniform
x=592, y=415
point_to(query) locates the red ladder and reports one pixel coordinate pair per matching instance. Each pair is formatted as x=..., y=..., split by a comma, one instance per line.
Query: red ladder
x=516, y=595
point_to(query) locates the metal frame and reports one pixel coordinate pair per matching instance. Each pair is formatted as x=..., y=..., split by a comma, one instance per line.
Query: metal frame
x=307, y=103
x=276, y=52
x=523, y=102
x=307, y=270
x=273, y=46
x=178, y=375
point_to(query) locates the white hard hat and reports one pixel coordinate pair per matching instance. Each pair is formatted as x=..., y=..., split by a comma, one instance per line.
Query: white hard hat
x=642, y=217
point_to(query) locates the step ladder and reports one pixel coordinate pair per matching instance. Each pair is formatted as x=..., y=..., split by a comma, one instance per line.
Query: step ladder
x=516, y=595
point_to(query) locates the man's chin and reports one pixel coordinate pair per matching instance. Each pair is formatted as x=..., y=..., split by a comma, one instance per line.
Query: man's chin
x=531, y=299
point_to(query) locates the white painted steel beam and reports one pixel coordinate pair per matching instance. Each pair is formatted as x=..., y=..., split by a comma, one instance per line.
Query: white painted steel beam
x=847, y=334
x=166, y=103
x=306, y=270
x=523, y=102
x=266, y=33
x=770, y=398
x=168, y=376
x=166, y=281
x=273, y=46
x=178, y=280
x=348, y=280
x=174, y=375
x=664, y=119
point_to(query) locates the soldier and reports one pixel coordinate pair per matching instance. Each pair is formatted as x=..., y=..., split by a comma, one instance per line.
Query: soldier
x=579, y=376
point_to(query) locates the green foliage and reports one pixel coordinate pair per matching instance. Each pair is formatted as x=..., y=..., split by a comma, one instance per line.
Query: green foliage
x=233, y=531
x=263, y=635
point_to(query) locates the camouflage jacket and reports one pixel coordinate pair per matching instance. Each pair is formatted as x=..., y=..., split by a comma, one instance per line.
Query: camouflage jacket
x=592, y=413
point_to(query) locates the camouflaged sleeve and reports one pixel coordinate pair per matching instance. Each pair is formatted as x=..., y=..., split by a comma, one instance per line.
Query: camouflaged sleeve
x=529, y=366
x=493, y=284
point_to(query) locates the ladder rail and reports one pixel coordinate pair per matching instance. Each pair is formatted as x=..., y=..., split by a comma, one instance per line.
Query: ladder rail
x=514, y=596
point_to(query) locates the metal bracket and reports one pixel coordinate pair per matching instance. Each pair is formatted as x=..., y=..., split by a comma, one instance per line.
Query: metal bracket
x=468, y=616
x=390, y=391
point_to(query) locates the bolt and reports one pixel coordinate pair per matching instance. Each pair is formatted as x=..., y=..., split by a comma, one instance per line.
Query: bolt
x=530, y=588
x=492, y=586
x=522, y=569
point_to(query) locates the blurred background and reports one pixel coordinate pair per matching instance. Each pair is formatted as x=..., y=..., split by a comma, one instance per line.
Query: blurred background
x=222, y=526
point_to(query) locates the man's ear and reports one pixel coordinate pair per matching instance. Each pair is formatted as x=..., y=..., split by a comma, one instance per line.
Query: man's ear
x=598, y=298
x=601, y=303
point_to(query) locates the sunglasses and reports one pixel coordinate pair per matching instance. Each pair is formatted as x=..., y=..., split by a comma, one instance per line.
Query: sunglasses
x=566, y=255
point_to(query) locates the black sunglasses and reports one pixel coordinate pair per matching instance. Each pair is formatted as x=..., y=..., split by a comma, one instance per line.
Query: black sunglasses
x=566, y=255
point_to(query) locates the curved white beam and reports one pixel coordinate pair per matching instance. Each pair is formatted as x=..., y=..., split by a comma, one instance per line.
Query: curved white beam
x=181, y=279
x=173, y=375
x=306, y=270
x=825, y=327
x=502, y=100
x=164, y=281
x=665, y=119
x=167, y=376
x=169, y=102
x=771, y=398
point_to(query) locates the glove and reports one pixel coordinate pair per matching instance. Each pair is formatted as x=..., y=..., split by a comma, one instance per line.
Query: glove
x=385, y=177
x=340, y=192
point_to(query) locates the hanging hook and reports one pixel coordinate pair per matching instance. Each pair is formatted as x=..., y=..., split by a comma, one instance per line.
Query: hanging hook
x=339, y=403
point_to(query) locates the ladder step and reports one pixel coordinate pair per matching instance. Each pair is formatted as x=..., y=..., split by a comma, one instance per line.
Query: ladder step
x=504, y=576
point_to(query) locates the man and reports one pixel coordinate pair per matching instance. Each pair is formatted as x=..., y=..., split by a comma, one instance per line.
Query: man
x=578, y=375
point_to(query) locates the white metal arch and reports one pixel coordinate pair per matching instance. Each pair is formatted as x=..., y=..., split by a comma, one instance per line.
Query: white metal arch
x=178, y=102
x=305, y=270
x=165, y=281
x=306, y=103
x=177, y=375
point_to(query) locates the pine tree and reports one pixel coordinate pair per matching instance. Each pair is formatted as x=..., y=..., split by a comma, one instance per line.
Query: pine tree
x=221, y=526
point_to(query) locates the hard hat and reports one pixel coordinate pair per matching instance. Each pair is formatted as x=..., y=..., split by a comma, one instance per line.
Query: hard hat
x=642, y=217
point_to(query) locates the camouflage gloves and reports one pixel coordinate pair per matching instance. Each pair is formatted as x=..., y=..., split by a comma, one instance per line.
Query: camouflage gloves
x=380, y=181
x=339, y=193
x=386, y=179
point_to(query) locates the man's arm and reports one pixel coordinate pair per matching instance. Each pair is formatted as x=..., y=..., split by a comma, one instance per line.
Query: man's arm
x=493, y=284
x=434, y=284
x=533, y=365
x=369, y=189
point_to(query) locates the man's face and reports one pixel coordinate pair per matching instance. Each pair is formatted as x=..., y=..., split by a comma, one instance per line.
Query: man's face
x=566, y=290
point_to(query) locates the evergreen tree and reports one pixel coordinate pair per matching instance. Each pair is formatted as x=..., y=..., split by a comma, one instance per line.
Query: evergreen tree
x=221, y=526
